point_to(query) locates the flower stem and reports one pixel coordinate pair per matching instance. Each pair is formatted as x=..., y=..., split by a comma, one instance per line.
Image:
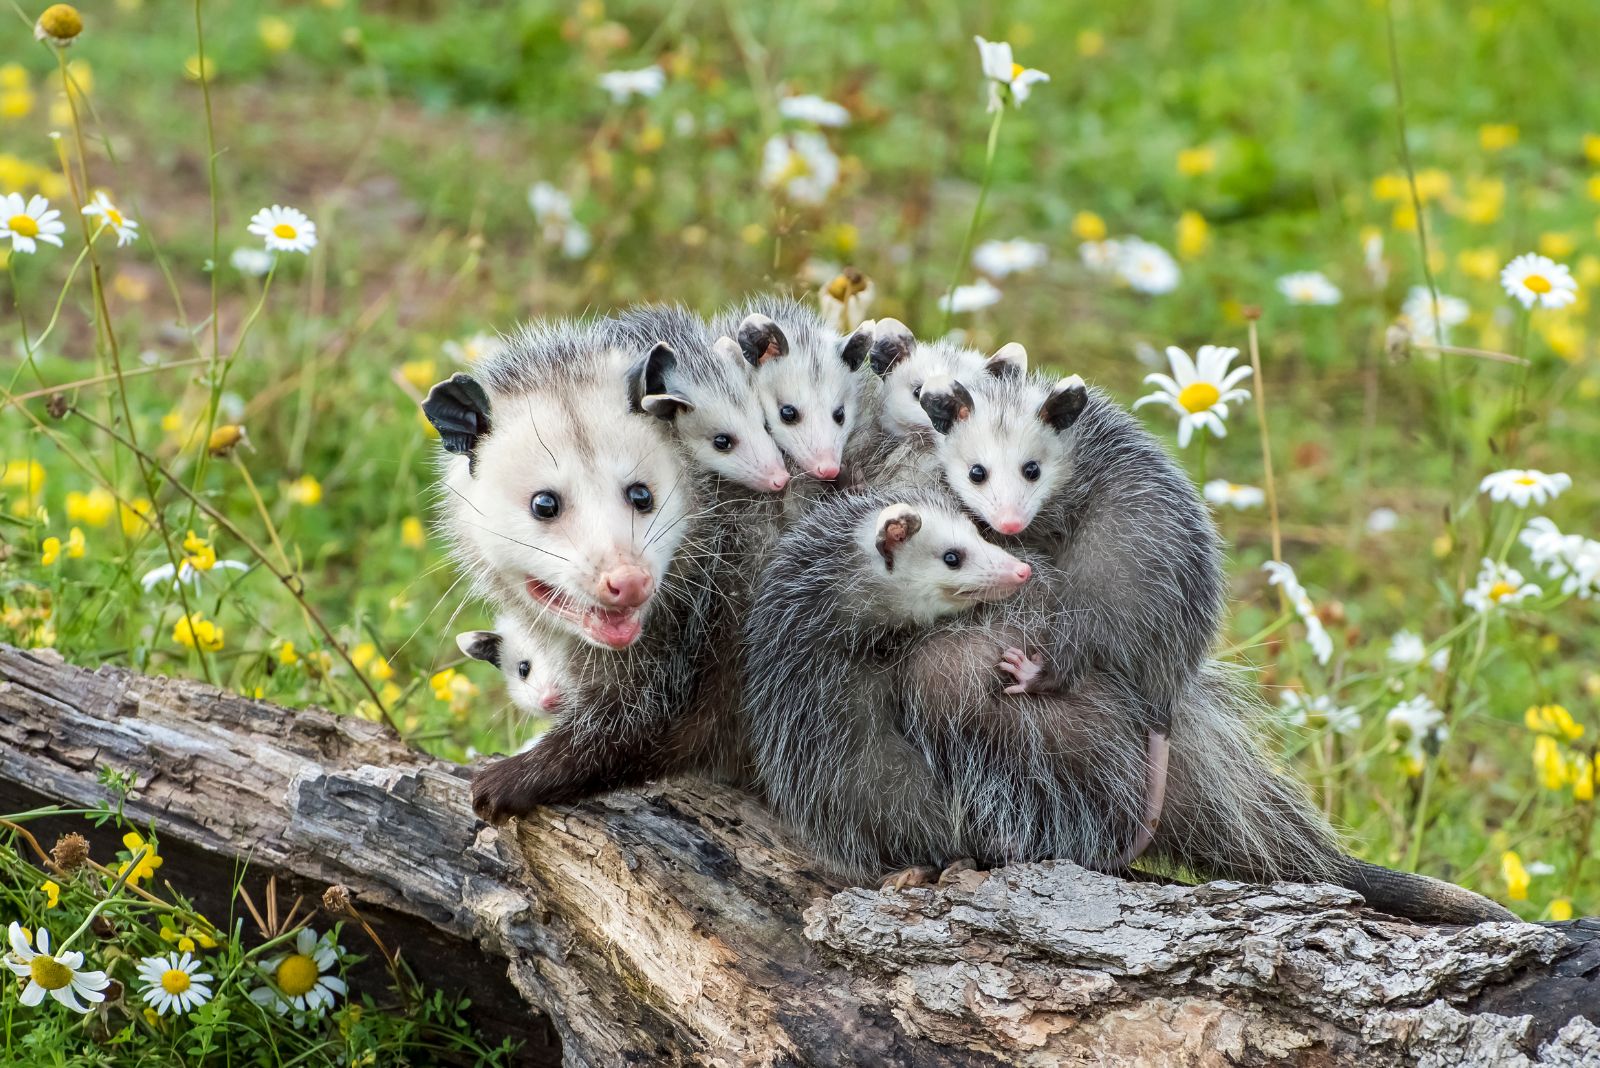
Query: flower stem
x=977, y=213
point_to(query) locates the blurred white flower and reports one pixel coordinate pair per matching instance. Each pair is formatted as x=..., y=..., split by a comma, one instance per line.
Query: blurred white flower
x=1382, y=520
x=1008, y=79
x=1221, y=491
x=1148, y=355
x=1146, y=267
x=1101, y=257
x=1283, y=576
x=284, y=229
x=55, y=974
x=801, y=165
x=1418, y=312
x=626, y=84
x=1440, y=660
x=27, y=222
x=1532, y=278
x=255, y=262
x=552, y=210
x=1319, y=711
x=1523, y=488
x=1407, y=648
x=1571, y=558
x=575, y=241
x=100, y=207
x=845, y=298
x=1372, y=256
x=997, y=259
x=186, y=573
x=1309, y=287
x=980, y=294
x=474, y=349
x=1198, y=390
x=1498, y=585
x=814, y=109
x=1416, y=722
x=1539, y=867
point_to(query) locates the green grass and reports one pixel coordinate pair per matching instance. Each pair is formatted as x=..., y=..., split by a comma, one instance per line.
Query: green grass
x=411, y=133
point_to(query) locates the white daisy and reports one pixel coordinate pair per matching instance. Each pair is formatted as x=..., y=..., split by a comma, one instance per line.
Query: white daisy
x=1498, y=586
x=186, y=573
x=255, y=262
x=28, y=222
x=575, y=241
x=1440, y=660
x=625, y=84
x=1407, y=648
x=299, y=982
x=801, y=165
x=284, y=229
x=1220, y=491
x=997, y=259
x=100, y=207
x=1309, y=287
x=1416, y=722
x=1572, y=558
x=980, y=294
x=1281, y=574
x=1319, y=711
x=815, y=110
x=1421, y=310
x=1101, y=257
x=1382, y=520
x=54, y=974
x=549, y=204
x=1199, y=390
x=174, y=984
x=1008, y=79
x=1523, y=488
x=1532, y=278
x=1146, y=267
x=473, y=350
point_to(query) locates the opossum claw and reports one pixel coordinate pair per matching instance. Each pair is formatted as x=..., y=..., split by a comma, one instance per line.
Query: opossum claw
x=1158, y=750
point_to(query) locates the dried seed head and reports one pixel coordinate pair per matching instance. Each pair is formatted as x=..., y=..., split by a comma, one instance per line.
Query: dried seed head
x=60, y=25
x=336, y=899
x=1251, y=312
x=57, y=405
x=1397, y=342
x=70, y=851
x=225, y=439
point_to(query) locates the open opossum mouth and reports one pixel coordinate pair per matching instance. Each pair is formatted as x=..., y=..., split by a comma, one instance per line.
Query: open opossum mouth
x=616, y=628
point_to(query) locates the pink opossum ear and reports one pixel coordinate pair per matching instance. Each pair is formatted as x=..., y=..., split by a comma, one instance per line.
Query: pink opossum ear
x=458, y=408
x=897, y=524
x=762, y=340
x=891, y=343
x=946, y=401
x=1065, y=403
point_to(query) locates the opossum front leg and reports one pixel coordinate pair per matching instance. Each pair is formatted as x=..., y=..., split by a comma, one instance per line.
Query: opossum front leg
x=561, y=768
x=1028, y=671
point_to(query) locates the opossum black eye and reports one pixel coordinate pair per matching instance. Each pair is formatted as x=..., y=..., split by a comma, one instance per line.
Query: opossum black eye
x=789, y=414
x=640, y=497
x=523, y=668
x=953, y=558
x=978, y=473
x=838, y=415
x=1030, y=470
x=722, y=443
x=545, y=505
x=916, y=391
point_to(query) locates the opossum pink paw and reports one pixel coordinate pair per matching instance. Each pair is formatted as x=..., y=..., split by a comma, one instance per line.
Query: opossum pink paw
x=965, y=870
x=499, y=792
x=916, y=875
x=1027, y=672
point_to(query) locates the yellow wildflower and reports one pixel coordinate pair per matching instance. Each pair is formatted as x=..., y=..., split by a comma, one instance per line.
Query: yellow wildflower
x=133, y=841
x=1432, y=184
x=412, y=533
x=382, y=670
x=1591, y=147
x=1202, y=159
x=1404, y=218
x=420, y=373
x=197, y=632
x=136, y=515
x=362, y=655
x=1091, y=43
x=1087, y=226
x=1390, y=187
x=76, y=545
x=193, y=70
x=390, y=693
x=198, y=552
x=1482, y=264
x=224, y=439
x=1583, y=773
x=277, y=34
x=1560, y=909
x=52, y=893
x=1553, y=720
x=1594, y=187
x=1193, y=235
x=186, y=944
x=23, y=474
x=286, y=654
x=50, y=551
x=1485, y=200
x=752, y=233
x=16, y=103
x=1497, y=136
x=1515, y=875
x=1549, y=762
x=1557, y=245
x=305, y=490
x=13, y=76
x=94, y=508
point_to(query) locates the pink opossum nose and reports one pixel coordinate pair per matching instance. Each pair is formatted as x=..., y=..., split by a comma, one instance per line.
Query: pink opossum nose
x=628, y=586
x=1022, y=572
x=1009, y=524
x=779, y=480
x=550, y=700
x=827, y=470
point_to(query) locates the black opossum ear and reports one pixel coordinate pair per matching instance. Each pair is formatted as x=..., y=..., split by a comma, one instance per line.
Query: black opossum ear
x=458, y=408
x=1065, y=403
x=946, y=401
x=897, y=524
x=1011, y=360
x=853, y=349
x=647, y=384
x=761, y=340
x=891, y=343
x=480, y=645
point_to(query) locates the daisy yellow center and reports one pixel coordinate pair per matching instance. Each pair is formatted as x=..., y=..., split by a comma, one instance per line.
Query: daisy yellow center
x=285, y=231
x=1198, y=396
x=49, y=972
x=174, y=980
x=1526, y=481
x=297, y=975
x=1501, y=590
x=1016, y=71
x=1538, y=283
x=114, y=216
x=23, y=225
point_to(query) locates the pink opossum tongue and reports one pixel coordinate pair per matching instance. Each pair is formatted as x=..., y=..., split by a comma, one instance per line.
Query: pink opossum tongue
x=618, y=628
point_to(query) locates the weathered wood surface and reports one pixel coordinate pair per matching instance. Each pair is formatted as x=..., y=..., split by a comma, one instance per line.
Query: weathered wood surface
x=679, y=926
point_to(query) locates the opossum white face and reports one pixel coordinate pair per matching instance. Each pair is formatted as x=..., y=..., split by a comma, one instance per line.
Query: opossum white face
x=930, y=561
x=714, y=411
x=906, y=364
x=537, y=667
x=569, y=509
x=810, y=399
x=1004, y=447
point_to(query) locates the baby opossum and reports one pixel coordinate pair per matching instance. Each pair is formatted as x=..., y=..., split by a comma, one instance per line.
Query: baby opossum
x=822, y=643
x=903, y=364
x=583, y=522
x=537, y=667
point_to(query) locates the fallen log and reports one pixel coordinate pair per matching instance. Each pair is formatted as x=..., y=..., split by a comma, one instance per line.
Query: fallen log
x=679, y=925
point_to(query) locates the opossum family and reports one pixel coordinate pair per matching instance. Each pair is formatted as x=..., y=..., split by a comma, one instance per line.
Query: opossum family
x=942, y=610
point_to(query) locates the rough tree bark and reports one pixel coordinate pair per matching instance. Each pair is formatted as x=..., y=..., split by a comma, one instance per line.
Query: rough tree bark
x=678, y=925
